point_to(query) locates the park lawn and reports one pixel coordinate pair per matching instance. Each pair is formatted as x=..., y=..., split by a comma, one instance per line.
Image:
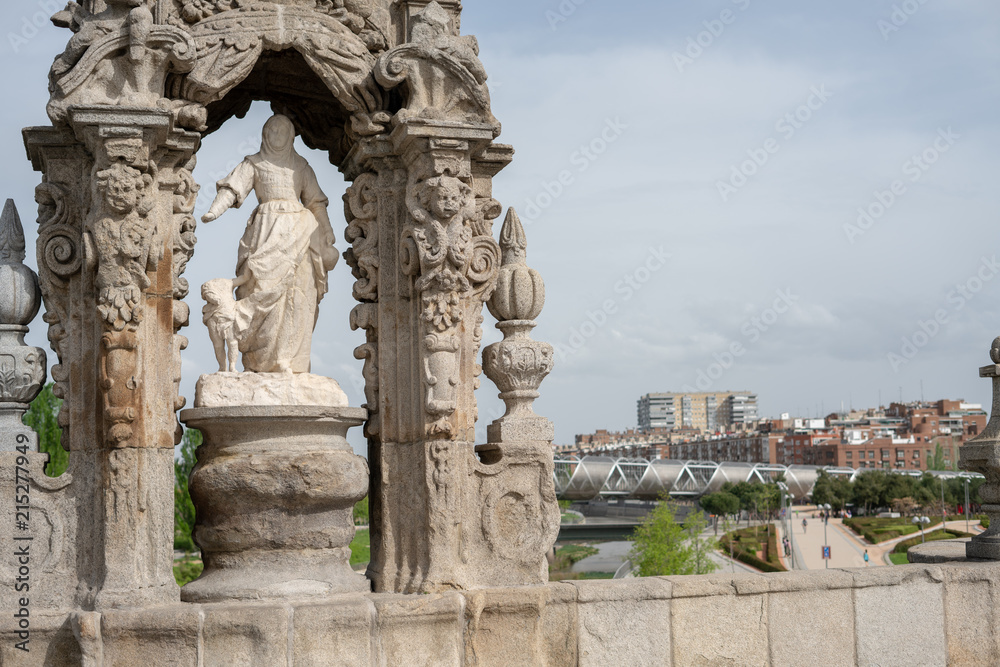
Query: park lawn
x=187, y=569
x=361, y=550
x=898, y=559
x=569, y=554
x=756, y=547
x=875, y=529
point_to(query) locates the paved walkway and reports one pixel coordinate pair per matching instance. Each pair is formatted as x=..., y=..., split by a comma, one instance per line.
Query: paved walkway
x=847, y=548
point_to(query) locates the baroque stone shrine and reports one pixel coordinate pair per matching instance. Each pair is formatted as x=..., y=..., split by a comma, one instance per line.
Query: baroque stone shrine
x=398, y=98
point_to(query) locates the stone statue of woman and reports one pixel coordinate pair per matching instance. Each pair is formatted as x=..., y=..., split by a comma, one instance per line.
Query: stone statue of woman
x=284, y=255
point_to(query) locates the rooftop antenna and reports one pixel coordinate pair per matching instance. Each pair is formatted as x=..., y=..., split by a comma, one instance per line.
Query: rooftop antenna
x=921, y=391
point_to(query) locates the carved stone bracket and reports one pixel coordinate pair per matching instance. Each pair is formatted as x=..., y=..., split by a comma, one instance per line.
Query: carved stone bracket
x=117, y=56
x=444, y=76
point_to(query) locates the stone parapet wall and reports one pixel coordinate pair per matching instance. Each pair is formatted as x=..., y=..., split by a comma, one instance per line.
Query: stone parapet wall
x=904, y=615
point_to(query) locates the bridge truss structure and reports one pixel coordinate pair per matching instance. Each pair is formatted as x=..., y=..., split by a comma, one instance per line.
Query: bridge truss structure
x=591, y=477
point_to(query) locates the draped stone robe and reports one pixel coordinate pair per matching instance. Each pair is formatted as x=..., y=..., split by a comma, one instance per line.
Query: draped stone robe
x=279, y=263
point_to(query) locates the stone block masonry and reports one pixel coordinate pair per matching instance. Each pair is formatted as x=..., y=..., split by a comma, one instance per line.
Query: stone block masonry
x=903, y=615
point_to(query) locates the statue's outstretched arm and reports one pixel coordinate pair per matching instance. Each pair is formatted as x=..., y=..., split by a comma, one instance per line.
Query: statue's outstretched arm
x=233, y=190
x=223, y=202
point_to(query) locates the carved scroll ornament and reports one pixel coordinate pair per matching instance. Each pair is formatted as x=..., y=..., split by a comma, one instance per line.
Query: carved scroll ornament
x=444, y=76
x=116, y=57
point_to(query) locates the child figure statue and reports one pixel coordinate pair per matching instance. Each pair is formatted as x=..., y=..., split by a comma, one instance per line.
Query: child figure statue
x=284, y=255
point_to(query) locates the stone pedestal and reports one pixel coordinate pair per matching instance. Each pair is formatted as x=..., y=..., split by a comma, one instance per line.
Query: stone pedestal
x=274, y=488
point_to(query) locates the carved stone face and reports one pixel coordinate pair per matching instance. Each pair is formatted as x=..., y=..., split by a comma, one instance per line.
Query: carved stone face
x=447, y=199
x=279, y=136
x=122, y=195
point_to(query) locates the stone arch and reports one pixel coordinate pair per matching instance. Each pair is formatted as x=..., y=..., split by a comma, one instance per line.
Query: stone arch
x=405, y=114
x=309, y=65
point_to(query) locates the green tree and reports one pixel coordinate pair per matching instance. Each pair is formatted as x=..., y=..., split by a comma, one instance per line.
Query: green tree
x=661, y=546
x=361, y=512
x=936, y=462
x=183, y=507
x=828, y=492
x=720, y=504
x=870, y=489
x=43, y=417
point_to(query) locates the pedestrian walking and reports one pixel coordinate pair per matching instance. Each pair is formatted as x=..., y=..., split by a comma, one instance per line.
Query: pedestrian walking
x=804, y=525
x=866, y=557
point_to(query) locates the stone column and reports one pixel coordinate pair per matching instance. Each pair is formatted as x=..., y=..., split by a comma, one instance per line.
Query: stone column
x=420, y=214
x=115, y=233
x=422, y=280
x=982, y=455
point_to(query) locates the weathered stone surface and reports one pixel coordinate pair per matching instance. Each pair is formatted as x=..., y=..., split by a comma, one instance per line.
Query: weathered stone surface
x=940, y=551
x=560, y=627
x=503, y=627
x=971, y=618
x=259, y=389
x=423, y=630
x=51, y=642
x=806, y=625
x=721, y=629
x=241, y=635
x=275, y=489
x=809, y=580
x=624, y=622
x=338, y=632
x=898, y=617
x=132, y=637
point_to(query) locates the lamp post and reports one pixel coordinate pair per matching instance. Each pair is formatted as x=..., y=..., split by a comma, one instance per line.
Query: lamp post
x=944, y=511
x=786, y=520
x=826, y=520
x=967, y=504
x=922, y=520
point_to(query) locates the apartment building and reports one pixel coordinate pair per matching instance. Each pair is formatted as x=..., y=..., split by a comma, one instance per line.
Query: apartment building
x=705, y=412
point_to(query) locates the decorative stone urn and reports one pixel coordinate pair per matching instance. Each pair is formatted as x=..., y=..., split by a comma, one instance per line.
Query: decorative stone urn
x=275, y=488
x=22, y=367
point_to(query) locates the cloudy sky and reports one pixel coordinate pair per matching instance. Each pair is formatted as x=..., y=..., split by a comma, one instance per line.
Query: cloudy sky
x=793, y=198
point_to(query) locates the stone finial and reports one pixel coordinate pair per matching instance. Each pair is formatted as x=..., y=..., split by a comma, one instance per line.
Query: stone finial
x=520, y=292
x=20, y=296
x=517, y=364
x=22, y=367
